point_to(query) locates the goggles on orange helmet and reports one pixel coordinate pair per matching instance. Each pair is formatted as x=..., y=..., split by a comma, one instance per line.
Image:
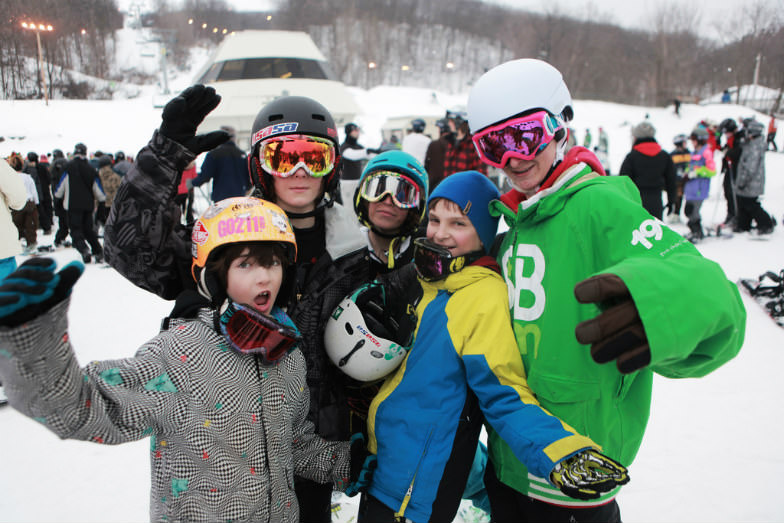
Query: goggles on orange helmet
x=282, y=156
x=521, y=137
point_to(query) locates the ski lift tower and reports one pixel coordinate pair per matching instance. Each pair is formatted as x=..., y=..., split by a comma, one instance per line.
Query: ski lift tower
x=164, y=38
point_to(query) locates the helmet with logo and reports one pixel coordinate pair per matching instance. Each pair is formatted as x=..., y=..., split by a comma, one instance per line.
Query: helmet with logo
x=291, y=115
x=236, y=220
x=517, y=87
x=418, y=125
x=407, y=167
x=679, y=139
x=354, y=349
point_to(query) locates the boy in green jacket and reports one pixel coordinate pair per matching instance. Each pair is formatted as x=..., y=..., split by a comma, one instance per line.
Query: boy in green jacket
x=576, y=233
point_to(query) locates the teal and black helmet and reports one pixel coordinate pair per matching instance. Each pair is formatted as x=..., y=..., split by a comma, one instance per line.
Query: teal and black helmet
x=405, y=165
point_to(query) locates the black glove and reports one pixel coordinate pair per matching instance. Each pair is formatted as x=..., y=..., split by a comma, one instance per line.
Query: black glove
x=183, y=114
x=588, y=474
x=617, y=333
x=388, y=305
x=34, y=288
x=363, y=465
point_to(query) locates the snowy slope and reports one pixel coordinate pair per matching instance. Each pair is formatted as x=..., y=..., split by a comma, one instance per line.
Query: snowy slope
x=711, y=452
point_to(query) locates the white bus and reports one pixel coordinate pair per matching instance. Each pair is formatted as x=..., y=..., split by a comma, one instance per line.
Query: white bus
x=251, y=68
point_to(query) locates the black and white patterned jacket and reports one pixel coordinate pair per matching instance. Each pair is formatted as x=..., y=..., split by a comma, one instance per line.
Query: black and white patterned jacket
x=228, y=435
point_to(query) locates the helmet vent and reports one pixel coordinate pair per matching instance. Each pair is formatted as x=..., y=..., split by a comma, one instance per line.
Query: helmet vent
x=316, y=116
x=275, y=117
x=349, y=330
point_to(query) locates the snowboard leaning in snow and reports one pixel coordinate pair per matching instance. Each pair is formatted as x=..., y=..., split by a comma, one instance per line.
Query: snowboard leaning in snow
x=768, y=291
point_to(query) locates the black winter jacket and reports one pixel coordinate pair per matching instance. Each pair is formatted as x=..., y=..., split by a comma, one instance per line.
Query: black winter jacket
x=650, y=167
x=83, y=185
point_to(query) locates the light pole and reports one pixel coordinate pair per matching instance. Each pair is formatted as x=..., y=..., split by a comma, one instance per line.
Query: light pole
x=38, y=28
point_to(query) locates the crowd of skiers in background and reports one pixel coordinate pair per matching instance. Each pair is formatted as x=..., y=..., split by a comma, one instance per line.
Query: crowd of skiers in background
x=684, y=174
x=68, y=195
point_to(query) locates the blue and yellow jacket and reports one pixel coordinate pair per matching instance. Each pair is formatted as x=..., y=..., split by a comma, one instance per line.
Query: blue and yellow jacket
x=421, y=423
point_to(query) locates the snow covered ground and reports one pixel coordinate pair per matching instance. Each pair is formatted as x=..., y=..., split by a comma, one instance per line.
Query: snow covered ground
x=711, y=453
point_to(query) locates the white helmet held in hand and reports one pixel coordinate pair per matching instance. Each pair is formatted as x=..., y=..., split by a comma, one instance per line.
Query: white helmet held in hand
x=354, y=349
x=516, y=87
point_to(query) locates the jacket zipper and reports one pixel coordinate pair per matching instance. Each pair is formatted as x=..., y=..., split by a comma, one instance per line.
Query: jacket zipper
x=400, y=513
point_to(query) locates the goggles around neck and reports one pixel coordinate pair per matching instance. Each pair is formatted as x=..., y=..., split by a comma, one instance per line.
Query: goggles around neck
x=281, y=156
x=402, y=189
x=434, y=263
x=250, y=332
x=523, y=137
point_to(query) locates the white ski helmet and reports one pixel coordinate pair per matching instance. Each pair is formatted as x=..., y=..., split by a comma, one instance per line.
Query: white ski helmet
x=516, y=87
x=354, y=349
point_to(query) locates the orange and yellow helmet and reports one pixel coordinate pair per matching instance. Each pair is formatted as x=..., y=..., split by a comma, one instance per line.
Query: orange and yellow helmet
x=237, y=220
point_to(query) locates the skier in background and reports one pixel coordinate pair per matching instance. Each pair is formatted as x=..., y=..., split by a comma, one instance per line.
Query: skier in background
x=416, y=142
x=750, y=181
x=702, y=168
x=650, y=168
x=681, y=156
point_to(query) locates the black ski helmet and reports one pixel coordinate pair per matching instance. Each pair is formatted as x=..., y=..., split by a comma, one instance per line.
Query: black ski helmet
x=291, y=115
x=418, y=125
x=80, y=148
x=728, y=125
x=119, y=156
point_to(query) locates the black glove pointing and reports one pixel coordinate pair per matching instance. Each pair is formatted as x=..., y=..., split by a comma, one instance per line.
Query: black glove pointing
x=183, y=114
x=617, y=333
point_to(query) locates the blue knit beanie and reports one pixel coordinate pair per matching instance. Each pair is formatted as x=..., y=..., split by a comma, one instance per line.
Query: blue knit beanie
x=472, y=191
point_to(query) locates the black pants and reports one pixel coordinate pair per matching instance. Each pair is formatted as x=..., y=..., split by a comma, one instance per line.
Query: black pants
x=692, y=211
x=315, y=501
x=62, y=221
x=652, y=202
x=371, y=510
x=82, y=232
x=510, y=506
x=729, y=195
x=771, y=141
x=749, y=209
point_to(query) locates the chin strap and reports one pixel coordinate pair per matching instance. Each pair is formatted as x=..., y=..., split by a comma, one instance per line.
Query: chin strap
x=319, y=210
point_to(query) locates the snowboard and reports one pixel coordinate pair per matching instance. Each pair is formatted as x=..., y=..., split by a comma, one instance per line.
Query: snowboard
x=768, y=292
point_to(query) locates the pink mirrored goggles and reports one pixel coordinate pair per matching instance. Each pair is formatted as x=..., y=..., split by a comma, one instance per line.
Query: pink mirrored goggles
x=522, y=137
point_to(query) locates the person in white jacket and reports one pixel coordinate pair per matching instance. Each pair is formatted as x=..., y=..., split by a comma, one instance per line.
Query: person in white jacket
x=14, y=196
x=416, y=142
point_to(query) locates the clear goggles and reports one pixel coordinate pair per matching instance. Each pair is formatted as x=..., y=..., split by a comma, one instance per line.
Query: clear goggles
x=282, y=155
x=523, y=137
x=251, y=332
x=403, y=190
